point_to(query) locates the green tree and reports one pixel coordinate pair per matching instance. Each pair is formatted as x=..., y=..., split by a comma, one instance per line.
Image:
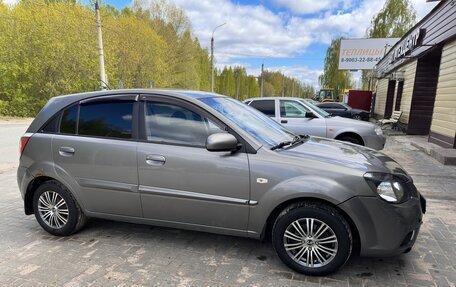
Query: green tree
x=332, y=77
x=393, y=21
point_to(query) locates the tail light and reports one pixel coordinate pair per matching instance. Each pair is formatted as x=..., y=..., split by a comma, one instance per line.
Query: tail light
x=24, y=140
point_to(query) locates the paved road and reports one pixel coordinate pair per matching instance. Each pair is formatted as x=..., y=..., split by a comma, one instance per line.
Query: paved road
x=119, y=254
x=10, y=134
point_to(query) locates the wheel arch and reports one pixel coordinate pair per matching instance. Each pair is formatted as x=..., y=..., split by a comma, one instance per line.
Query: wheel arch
x=267, y=230
x=350, y=134
x=31, y=188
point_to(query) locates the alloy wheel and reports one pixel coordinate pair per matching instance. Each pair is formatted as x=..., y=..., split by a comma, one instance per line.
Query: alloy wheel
x=53, y=209
x=310, y=242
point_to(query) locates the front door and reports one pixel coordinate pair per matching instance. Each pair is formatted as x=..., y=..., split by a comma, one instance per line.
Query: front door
x=297, y=118
x=182, y=182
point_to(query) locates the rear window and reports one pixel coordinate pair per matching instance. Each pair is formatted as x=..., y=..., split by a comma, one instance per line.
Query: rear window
x=69, y=119
x=106, y=119
x=267, y=107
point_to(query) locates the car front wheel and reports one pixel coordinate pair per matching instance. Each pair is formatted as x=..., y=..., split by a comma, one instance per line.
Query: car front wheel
x=312, y=238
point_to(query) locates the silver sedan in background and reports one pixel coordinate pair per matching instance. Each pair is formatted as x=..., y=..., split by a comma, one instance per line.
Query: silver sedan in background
x=303, y=117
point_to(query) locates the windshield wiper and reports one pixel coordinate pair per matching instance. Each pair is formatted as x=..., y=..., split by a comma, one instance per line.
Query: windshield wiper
x=296, y=139
x=281, y=145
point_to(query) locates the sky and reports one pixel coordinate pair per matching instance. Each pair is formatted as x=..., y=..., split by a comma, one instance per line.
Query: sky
x=290, y=36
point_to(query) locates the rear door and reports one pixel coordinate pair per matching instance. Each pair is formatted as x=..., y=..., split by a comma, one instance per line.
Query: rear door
x=292, y=115
x=180, y=181
x=96, y=149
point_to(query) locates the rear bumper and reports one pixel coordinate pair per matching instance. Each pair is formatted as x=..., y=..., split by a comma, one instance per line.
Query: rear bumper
x=24, y=177
x=385, y=229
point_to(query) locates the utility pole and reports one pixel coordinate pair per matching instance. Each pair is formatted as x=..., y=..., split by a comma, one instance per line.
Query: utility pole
x=262, y=80
x=212, y=56
x=103, y=78
x=283, y=85
x=238, y=84
x=292, y=88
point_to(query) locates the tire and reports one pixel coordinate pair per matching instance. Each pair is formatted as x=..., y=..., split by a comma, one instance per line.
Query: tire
x=56, y=210
x=357, y=117
x=332, y=253
x=350, y=139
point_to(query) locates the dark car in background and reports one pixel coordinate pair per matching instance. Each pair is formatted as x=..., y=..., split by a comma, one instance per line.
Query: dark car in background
x=344, y=110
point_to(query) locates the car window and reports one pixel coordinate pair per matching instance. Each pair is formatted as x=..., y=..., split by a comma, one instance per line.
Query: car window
x=267, y=107
x=324, y=106
x=106, y=119
x=292, y=109
x=174, y=124
x=252, y=121
x=314, y=108
x=339, y=107
x=69, y=119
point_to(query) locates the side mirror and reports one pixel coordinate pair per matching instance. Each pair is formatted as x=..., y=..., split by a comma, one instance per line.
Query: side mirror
x=221, y=142
x=310, y=115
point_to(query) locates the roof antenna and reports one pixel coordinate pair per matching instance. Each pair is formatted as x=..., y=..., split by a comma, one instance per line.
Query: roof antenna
x=105, y=85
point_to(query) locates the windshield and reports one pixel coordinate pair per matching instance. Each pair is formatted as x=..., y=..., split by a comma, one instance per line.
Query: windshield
x=261, y=127
x=315, y=108
x=326, y=94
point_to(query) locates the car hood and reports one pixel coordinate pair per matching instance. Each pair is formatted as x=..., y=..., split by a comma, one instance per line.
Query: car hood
x=345, y=154
x=346, y=122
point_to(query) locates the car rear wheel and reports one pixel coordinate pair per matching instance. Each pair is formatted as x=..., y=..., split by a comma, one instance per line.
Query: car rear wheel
x=56, y=210
x=312, y=238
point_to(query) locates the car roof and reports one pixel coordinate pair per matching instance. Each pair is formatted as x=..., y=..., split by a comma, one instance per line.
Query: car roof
x=273, y=98
x=56, y=104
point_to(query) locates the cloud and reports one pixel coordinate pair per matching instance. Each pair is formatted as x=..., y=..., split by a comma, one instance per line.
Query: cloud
x=10, y=2
x=255, y=31
x=305, y=6
x=422, y=8
x=302, y=7
x=251, y=30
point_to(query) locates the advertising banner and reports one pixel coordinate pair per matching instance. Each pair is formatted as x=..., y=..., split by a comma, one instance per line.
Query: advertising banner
x=363, y=54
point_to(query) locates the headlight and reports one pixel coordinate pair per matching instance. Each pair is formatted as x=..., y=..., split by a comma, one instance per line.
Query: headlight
x=378, y=131
x=388, y=187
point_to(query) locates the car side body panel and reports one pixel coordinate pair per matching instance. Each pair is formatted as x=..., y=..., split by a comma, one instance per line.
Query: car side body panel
x=272, y=184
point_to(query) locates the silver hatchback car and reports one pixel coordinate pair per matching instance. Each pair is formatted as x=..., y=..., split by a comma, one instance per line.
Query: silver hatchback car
x=206, y=162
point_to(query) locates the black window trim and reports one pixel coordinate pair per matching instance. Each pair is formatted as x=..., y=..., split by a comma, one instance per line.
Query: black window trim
x=109, y=98
x=246, y=147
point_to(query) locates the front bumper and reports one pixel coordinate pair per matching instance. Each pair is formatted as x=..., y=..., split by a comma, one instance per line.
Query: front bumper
x=385, y=229
x=376, y=142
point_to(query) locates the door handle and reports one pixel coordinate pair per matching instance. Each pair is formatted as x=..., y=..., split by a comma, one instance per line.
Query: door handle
x=284, y=121
x=155, y=159
x=66, y=151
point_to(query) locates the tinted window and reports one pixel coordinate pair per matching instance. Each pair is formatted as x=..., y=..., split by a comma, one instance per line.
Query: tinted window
x=106, y=119
x=292, y=109
x=169, y=123
x=265, y=106
x=339, y=106
x=324, y=106
x=68, y=122
x=53, y=125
